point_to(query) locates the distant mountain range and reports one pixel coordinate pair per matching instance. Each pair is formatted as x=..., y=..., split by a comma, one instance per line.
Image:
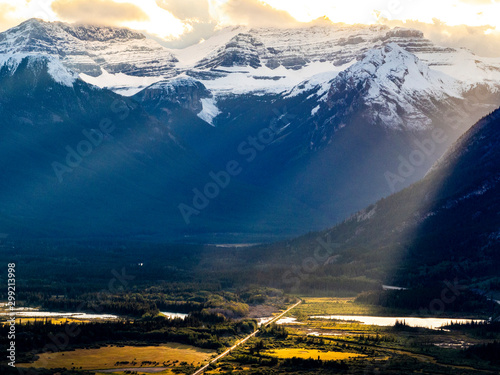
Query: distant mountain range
x=254, y=134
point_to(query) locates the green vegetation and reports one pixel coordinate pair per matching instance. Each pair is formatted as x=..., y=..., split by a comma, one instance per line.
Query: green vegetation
x=137, y=282
x=462, y=300
x=311, y=353
x=311, y=347
x=339, y=306
x=349, y=349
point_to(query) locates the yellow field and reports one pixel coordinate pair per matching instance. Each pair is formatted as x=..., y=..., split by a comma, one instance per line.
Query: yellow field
x=311, y=353
x=107, y=357
x=336, y=306
x=137, y=371
x=328, y=299
x=21, y=321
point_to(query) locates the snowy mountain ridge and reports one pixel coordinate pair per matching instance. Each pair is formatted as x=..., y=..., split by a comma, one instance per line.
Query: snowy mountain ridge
x=89, y=49
x=403, y=72
x=338, y=108
x=260, y=59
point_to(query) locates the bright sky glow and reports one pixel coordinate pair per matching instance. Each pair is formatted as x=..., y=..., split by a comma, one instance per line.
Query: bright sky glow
x=162, y=23
x=452, y=12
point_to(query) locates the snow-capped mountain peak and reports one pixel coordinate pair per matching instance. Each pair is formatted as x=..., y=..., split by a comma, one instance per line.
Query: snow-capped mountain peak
x=392, y=67
x=89, y=49
x=400, y=89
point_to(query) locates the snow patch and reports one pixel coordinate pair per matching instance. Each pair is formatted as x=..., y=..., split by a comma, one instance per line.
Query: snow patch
x=320, y=80
x=120, y=83
x=11, y=61
x=465, y=66
x=209, y=111
x=55, y=68
x=315, y=110
x=263, y=80
x=171, y=84
x=60, y=74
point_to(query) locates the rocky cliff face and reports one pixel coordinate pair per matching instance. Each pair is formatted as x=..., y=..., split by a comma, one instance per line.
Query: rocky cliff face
x=242, y=50
x=295, y=48
x=89, y=49
x=184, y=92
x=93, y=33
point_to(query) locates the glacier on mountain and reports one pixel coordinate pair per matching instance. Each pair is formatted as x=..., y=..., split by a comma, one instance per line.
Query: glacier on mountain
x=209, y=111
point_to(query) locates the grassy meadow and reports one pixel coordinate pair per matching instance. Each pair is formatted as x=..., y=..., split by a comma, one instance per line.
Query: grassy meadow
x=126, y=357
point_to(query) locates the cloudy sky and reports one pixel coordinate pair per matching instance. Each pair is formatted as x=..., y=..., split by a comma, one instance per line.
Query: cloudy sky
x=474, y=24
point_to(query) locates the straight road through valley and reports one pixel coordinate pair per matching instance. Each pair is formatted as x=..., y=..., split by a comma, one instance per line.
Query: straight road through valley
x=242, y=341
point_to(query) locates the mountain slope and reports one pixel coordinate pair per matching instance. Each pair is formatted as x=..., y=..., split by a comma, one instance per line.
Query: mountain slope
x=319, y=133
x=444, y=227
x=333, y=144
x=63, y=173
x=79, y=162
x=284, y=57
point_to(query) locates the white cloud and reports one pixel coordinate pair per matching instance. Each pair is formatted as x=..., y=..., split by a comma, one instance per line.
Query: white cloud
x=196, y=17
x=98, y=11
x=482, y=40
x=256, y=13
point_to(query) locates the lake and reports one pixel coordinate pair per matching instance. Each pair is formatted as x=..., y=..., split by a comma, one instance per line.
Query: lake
x=432, y=323
x=27, y=312
x=30, y=312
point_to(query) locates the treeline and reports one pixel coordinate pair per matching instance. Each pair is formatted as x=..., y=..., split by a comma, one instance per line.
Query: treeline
x=490, y=326
x=150, y=301
x=202, y=329
x=485, y=330
x=288, y=364
x=430, y=300
x=130, y=305
x=70, y=269
x=274, y=330
x=310, y=363
x=8, y=370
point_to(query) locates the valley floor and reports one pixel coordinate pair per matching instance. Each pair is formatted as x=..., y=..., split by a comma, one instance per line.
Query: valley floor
x=298, y=344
